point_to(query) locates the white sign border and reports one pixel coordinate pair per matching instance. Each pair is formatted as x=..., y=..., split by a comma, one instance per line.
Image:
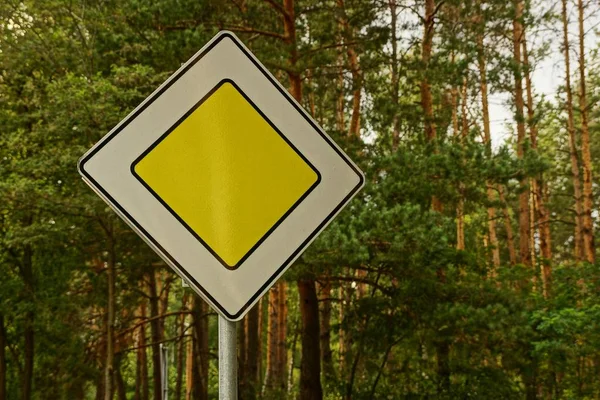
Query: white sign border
x=154, y=244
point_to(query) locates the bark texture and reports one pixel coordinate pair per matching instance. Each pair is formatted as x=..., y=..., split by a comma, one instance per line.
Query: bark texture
x=487, y=137
x=310, y=368
x=574, y=155
x=524, y=222
x=586, y=155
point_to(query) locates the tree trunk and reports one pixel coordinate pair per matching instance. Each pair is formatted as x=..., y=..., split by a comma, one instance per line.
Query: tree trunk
x=282, y=316
x=460, y=208
x=28, y=329
x=201, y=353
x=310, y=368
x=537, y=185
x=579, y=252
x=425, y=87
x=395, y=78
x=100, y=386
x=189, y=370
x=253, y=351
x=510, y=241
x=342, y=334
x=110, y=322
x=348, y=37
x=119, y=381
x=326, y=353
x=431, y=136
x=524, y=232
x=427, y=46
x=586, y=156
x=141, y=384
x=155, y=334
x=340, y=101
x=491, y=211
x=3, y=344
x=272, y=373
x=181, y=347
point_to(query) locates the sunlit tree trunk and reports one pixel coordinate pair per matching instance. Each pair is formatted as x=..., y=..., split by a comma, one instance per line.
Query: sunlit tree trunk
x=524, y=222
x=272, y=373
x=141, y=384
x=353, y=63
x=425, y=87
x=189, y=369
x=395, y=89
x=155, y=332
x=586, y=156
x=574, y=157
x=110, y=324
x=201, y=353
x=460, y=208
x=282, y=316
x=442, y=346
x=510, y=237
x=180, y=358
x=537, y=185
x=491, y=211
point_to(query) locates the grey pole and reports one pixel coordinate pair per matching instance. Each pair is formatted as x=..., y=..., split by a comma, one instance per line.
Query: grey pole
x=164, y=369
x=227, y=359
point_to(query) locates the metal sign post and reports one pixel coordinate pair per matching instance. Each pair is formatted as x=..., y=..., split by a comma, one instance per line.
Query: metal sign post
x=164, y=371
x=228, y=384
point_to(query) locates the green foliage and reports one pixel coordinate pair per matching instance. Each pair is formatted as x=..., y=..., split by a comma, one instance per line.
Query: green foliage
x=402, y=294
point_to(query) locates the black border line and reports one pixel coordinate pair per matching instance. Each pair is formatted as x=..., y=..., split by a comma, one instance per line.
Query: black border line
x=132, y=116
x=178, y=217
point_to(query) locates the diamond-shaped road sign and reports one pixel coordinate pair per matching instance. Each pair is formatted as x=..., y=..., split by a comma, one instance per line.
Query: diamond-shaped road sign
x=223, y=174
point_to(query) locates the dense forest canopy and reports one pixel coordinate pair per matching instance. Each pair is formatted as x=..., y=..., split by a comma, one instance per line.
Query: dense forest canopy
x=462, y=270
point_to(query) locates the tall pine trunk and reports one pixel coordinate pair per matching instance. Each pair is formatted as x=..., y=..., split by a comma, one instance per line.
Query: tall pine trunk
x=574, y=157
x=155, y=333
x=310, y=367
x=543, y=214
x=442, y=346
x=28, y=329
x=141, y=385
x=491, y=211
x=325, y=318
x=282, y=316
x=272, y=374
x=201, y=353
x=395, y=77
x=510, y=236
x=348, y=38
x=310, y=375
x=253, y=352
x=460, y=208
x=189, y=369
x=524, y=222
x=180, y=357
x=586, y=156
x=110, y=326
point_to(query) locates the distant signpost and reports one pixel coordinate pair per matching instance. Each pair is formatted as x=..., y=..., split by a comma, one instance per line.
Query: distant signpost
x=225, y=176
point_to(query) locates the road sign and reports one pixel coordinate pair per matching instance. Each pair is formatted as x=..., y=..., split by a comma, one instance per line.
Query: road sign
x=223, y=174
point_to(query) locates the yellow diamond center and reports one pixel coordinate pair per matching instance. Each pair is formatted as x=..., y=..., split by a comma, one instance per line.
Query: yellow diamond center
x=227, y=174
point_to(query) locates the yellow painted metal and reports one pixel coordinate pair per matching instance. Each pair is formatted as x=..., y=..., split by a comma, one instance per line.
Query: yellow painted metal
x=227, y=174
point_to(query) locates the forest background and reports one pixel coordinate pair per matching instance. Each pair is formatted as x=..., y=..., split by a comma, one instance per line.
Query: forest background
x=462, y=270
